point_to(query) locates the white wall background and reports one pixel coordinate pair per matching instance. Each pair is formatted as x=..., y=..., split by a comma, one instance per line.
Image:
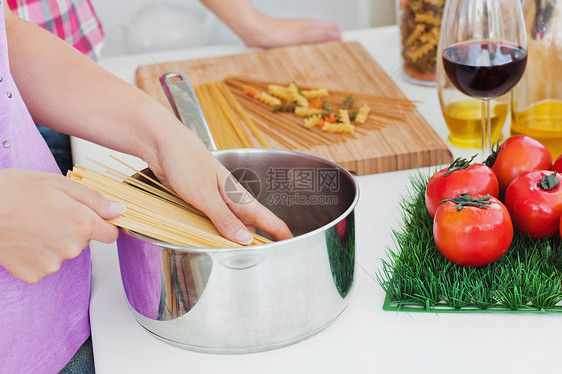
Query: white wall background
x=167, y=24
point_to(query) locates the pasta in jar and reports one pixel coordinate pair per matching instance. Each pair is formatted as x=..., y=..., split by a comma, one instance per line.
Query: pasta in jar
x=420, y=21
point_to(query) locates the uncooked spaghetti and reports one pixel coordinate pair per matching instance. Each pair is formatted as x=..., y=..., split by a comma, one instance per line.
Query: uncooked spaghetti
x=243, y=112
x=154, y=212
x=227, y=119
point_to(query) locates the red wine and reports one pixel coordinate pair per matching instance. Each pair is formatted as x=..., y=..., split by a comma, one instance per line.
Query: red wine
x=484, y=69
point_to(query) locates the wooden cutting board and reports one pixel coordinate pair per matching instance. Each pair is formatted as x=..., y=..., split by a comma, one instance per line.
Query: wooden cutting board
x=341, y=66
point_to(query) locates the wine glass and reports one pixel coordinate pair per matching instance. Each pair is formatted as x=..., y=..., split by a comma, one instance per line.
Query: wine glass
x=483, y=47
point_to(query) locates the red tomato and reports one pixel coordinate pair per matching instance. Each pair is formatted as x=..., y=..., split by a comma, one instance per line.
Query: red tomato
x=476, y=179
x=473, y=236
x=341, y=228
x=517, y=155
x=561, y=228
x=557, y=166
x=535, y=210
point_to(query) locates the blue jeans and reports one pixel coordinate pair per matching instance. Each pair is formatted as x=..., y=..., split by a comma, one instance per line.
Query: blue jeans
x=82, y=362
x=59, y=144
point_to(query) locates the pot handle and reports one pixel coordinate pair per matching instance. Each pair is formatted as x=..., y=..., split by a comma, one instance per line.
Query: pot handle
x=182, y=98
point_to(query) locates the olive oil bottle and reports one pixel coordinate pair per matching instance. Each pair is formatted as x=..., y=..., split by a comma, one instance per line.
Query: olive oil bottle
x=463, y=118
x=536, y=102
x=542, y=121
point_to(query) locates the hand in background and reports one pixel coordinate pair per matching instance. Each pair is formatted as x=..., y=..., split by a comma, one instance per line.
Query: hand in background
x=259, y=30
x=283, y=32
x=46, y=219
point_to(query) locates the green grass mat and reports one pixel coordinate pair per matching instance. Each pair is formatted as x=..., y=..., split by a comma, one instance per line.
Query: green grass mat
x=417, y=278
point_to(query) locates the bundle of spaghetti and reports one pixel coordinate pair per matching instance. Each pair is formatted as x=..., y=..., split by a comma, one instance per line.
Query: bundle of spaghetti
x=382, y=110
x=287, y=121
x=223, y=123
x=222, y=136
x=153, y=212
x=156, y=188
x=243, y=115
x=227, y=118
x=376, y=114
x=281, y=121
x=287, y=137
x=281, y=126
x=377, y=101
x=373, y=100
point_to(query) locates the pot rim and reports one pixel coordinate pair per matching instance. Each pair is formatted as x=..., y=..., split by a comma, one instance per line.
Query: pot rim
x=260, y=247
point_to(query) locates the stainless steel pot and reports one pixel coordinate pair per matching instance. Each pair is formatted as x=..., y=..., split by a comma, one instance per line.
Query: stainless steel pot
x=240, y=300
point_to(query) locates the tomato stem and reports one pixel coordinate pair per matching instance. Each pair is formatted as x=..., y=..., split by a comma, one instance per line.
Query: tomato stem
x=549, y=182
x=459, y=164
x=492, y=158
x=465, y=199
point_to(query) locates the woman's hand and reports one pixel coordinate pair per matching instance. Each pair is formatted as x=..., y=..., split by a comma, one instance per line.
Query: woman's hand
x=119, y=116
x=284, y=32
x=257, y=29
x=45, y=219
x=183, y=163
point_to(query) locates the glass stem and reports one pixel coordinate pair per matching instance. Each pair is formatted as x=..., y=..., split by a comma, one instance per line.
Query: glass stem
x=486, y=147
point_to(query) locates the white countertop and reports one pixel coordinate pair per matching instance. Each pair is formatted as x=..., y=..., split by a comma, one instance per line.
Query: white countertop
x=364, y=339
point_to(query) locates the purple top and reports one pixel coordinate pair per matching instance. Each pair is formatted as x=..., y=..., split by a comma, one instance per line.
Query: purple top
x=42, y=325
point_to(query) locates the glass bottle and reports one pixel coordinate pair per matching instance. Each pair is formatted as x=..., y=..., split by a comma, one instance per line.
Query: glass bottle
x=536, y=109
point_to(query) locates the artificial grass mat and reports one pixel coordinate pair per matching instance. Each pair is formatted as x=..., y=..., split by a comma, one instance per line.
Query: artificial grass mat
x=416, y=277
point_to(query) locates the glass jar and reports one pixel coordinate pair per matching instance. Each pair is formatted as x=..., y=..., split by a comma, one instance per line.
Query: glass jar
x=536, y=109
x=419, y=22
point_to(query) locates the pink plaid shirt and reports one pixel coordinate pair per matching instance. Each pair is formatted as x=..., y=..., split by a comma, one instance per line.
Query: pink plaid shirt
x=74, y=21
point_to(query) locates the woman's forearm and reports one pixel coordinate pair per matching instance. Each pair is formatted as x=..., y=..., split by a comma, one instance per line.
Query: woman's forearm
x=67, y=92
x=52, y=78
x=239, y=15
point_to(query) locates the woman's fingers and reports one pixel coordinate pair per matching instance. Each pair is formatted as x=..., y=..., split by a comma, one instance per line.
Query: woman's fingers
x=99, y=209
x=46, y=219
x=283, y=32
x=202, y=183
x=226, y=222
x=319, y=31
x=104, y=208
x=255, y=214
x=252, y=212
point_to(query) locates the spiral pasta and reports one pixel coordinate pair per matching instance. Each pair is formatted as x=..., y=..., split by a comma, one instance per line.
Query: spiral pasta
x=338, y=113
x=280, y=92
x=338, y=127
x=362, y=113
x=315, y=94
x=268, y=99
x=420, y=22
x=437, y=3
x=344, y=116
x=420, y=52
x=296, y=95
x=415, y=35
x=305, y=112
x=427, y=18
x=312, y=121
